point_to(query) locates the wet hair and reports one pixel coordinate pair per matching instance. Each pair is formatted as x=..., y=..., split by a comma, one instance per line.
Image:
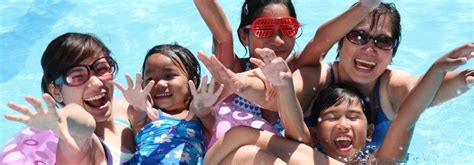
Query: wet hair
x=69, y=50
x=181, y=57
x=337, y=94
x=391, y=11
x=252, y=9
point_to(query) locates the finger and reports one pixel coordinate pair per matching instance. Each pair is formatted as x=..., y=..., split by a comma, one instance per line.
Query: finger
x=66, y=136
x=50, y=102
x=119, y=86
x=148, y=87
x=203, y=86
x=212, y=85
x=138, y=80
x=219, y=90
x=20, y=108
x=257, y=62
x=192, y=88
x=266, y=54
x=129, y=81
x=17, y=118
x=36, y=104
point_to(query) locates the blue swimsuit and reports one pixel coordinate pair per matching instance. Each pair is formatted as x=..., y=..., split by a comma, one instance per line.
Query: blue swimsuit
x=170, y=140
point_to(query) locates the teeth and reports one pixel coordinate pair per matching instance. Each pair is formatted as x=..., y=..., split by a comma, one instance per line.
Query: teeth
x=365, y=62
x=95, y=97
x=163, y=94
x=343, y=138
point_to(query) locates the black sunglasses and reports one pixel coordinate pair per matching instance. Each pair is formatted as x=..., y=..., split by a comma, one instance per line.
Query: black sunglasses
x=103, y=67
x=360, y=37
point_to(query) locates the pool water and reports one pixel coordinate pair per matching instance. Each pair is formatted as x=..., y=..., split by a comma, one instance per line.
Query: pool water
x=129, y=28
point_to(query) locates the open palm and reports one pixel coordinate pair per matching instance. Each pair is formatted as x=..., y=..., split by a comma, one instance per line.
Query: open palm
x=204, y=98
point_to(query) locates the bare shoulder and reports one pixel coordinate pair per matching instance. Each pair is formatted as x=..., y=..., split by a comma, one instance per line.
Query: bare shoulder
x=397, y=84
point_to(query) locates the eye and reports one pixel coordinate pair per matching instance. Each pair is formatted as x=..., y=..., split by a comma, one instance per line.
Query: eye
x=353, y=117
x=77, y=75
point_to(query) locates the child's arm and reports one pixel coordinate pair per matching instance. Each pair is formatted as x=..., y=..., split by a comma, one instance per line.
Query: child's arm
x=140, y=106
x=278, y=74
x=223, y=45
x=289, y=151
x=203, y=104
x=397, y=140
x=331, y=32
x=72, y=124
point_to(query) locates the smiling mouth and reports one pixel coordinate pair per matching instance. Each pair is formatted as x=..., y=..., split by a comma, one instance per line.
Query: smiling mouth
x=96, y=101
x=166, y=94
x=364, y=65
x=343, y=143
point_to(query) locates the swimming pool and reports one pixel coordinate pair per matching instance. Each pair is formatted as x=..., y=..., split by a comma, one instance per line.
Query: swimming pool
x=429, y=28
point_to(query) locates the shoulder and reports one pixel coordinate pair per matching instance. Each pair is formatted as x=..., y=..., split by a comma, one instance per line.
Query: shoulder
x=396, y=85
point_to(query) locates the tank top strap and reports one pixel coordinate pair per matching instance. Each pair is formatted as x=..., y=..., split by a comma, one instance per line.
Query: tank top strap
x=376, y=94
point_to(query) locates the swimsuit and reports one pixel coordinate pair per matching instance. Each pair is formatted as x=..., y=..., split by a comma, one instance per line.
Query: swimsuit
x=170, y=140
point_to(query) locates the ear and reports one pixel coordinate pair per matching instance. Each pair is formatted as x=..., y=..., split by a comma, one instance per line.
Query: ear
x=244, y=36
x=370, y=131
x=55, y=91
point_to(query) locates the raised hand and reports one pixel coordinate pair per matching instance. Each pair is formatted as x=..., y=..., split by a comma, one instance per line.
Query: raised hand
x=52, y=119
x=232, y=82
x=370, y=4
x=204, y=98
x=138, y=97
x=274, y=68
x=456, y=58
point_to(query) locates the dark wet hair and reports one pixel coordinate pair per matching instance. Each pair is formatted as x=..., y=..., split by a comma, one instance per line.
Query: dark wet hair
x=69, y=50
x=390, y=10
x=335, y=95
x=252, y=9
x=181, y=57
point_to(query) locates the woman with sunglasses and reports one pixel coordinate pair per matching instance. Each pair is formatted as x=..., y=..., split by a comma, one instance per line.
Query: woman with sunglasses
x=364, y=55
x=77, y=75
x=270, y=24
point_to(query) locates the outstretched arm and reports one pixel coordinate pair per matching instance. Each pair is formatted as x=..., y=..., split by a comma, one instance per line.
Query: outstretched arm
x=397, y=140
x=331, y=32
x=223, y=46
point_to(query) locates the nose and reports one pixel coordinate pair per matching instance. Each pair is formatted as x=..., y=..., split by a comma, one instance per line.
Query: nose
x=342, y=125
x=277, y=38
x=96, y=81
x=161, y=84
x=369, y=47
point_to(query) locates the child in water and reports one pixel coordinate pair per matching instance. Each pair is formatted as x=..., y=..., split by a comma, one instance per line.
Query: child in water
x=342, y=125
x=168, y=114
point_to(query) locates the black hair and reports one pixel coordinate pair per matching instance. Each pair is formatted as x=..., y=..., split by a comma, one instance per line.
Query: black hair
x=251, y=9
x=68, y=50
x=390, y=10
x=181, y=57
x=337, y=94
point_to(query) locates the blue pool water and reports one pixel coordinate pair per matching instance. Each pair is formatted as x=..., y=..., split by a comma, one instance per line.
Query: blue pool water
x=129, y=28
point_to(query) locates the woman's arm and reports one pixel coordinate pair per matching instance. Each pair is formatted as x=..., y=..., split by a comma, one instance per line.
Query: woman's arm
x=397, y=140
x=223, y=46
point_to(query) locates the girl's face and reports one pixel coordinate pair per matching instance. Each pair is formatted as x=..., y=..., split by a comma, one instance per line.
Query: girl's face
x=342, y=130
x=364, y=63
x=171, y=91
x=280, y=43
x=95, y=94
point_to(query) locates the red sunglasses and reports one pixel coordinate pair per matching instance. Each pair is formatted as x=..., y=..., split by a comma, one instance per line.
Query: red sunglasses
x=264, y=27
